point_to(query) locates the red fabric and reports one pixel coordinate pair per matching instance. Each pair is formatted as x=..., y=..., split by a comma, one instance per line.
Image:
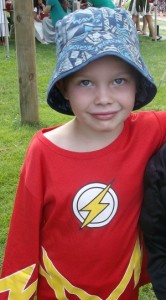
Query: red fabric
x=42, y=15
x=48, y=234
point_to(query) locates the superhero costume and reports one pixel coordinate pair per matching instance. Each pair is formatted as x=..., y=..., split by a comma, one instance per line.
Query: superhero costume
x=74, y=229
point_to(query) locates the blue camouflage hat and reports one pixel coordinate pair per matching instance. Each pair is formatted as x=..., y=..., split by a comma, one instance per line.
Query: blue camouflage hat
x=86, y=35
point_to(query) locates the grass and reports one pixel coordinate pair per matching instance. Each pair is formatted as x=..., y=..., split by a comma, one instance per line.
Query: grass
x=14, y=137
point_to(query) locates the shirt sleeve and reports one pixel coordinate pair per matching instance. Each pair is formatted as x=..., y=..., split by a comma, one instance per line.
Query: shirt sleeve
x=19, y=274
x=103, y=3
x=50, y=2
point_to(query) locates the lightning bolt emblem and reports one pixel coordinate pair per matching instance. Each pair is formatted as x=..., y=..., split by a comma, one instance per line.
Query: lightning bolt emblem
x=60, y=284
x=16, y=284
x=95, y=207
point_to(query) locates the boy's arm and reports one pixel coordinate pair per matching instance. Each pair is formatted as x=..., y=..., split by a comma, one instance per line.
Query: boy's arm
x=18, y=279
x=153, y=221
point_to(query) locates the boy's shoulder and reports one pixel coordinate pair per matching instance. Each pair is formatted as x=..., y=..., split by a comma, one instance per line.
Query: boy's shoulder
x=38, y=141
x=148, y=123
x=148, y=115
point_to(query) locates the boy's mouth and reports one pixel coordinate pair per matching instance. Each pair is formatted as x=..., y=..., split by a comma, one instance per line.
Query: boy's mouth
x=104, y=115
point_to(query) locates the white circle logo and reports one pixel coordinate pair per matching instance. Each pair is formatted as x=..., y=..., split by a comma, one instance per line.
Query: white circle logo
x=95, y=205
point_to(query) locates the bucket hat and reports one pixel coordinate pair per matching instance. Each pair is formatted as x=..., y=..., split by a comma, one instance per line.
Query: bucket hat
x=87, y=35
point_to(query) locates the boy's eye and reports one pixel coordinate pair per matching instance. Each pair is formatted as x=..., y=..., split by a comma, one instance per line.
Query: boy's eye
x=86, y=82
x=119, y=81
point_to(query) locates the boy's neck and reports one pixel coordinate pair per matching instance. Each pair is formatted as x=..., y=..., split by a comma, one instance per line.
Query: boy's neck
x=71, y=136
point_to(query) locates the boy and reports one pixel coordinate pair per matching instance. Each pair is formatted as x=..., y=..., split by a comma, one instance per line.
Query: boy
x=153, y=221
x=74, y=231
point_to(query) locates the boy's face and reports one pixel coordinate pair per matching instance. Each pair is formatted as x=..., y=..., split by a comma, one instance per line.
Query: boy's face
x=102, y=94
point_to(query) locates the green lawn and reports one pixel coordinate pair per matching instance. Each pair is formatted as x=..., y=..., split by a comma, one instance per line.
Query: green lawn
x=15, y=138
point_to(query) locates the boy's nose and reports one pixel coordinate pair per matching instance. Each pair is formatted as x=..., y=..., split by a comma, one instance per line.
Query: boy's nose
x=103, y=96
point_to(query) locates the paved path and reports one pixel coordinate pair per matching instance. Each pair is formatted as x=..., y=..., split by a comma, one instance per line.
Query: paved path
x=161, y=18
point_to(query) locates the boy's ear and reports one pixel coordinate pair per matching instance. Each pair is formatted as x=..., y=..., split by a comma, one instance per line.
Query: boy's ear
x=61, y=87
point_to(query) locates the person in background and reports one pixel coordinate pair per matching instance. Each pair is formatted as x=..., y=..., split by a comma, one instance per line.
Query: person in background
x=10, y=16
x=38, y=12
x=138, y=25
x=57, y=10
x=142, y=8
x=153, y=221
x=4, y=29
x=102, y=3
x=74, y=231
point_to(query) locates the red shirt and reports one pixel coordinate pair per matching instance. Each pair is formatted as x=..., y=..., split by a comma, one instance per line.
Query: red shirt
x=74, y=229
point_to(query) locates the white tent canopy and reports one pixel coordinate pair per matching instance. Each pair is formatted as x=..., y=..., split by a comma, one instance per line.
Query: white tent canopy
x=4, y=31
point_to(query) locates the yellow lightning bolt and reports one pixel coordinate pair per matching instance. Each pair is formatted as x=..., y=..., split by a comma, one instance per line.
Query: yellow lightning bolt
x=16, y=284
x=134, y=267
x=59, y=283
x=95, y=207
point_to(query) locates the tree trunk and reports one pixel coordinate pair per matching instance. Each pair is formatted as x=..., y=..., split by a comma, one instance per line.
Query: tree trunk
x=26, y=60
